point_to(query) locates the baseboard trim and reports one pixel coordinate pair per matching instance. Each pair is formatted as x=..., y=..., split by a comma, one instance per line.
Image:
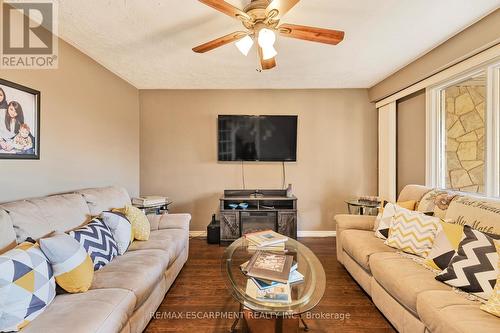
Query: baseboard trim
x=302, y=233
x=316, y=233
x=200, y=233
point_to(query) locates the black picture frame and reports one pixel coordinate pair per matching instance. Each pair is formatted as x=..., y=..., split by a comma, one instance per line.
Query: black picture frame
x=33, y=113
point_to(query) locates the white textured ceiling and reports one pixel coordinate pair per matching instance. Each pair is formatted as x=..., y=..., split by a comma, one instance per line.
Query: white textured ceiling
x=148, y=42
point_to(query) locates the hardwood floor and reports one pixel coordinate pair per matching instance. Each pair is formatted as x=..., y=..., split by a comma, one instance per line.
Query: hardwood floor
x=199, y=291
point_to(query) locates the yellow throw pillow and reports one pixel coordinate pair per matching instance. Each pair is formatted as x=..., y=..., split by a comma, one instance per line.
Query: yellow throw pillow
x=493, y=304
x=140, y=223
x=410, y=205
x=73, y=268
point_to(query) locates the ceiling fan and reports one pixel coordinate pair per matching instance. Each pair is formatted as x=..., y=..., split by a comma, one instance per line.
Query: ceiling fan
x=261, y=19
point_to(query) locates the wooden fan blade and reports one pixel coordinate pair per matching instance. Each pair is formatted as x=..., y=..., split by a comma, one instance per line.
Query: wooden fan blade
x=266, y=64
x=232, y=37
x=278, y=8
x=312, y=34
x=227, y=9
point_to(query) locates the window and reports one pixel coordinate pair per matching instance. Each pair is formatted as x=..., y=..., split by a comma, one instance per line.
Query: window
x=465, y=126
x=462, y=129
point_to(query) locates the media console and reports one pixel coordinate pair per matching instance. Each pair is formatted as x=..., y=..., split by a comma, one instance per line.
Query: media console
x=267, y=209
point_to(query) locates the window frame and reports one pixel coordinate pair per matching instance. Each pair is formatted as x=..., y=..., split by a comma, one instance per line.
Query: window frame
x=436, y=128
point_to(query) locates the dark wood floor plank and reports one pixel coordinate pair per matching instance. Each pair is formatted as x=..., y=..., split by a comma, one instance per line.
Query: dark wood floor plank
x=199, y=289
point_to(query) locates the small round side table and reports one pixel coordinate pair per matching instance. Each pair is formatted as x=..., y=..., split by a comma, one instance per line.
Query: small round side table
x=358, y=207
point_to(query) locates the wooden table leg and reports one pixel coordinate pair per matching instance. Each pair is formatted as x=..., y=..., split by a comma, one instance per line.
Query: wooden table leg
x=260, y=324
x=306, y=328
x=290, y=324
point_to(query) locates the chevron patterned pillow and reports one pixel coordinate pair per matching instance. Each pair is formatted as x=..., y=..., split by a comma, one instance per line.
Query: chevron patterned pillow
x=384, y=218
x=412, y=232
x=474, y=267
x=98, y=241
x=493, y=304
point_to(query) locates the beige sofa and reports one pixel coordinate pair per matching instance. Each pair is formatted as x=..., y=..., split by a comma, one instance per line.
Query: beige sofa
x=403, y=290
x=125, y=292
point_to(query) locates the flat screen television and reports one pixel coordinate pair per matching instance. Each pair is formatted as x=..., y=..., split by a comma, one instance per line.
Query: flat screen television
x=257, y=138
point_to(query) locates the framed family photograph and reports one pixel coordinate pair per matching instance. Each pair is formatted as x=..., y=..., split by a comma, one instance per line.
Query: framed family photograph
x=19, y=121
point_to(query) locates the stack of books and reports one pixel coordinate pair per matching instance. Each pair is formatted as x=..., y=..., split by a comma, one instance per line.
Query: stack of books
x=270, y=275
x=266, y=240
x=149, y=201
x=294, y=277
x=277, y=294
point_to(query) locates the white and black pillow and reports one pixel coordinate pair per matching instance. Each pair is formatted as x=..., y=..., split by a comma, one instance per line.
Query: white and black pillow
x=384, y=220
x=98, y=241
x=121, y=229
x=474, y=267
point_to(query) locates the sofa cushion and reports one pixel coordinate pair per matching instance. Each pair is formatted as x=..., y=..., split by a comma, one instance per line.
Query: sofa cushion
x=403, y=278
x=482, y=214
x=7, y=233
x=174, y=221
x=105, y=198
x=27, y=219
x=63, y=212
x=361, y=244
x=413, y=192
x=171, y=240
x=98, y=311
x=448, y=312
x=137, y=271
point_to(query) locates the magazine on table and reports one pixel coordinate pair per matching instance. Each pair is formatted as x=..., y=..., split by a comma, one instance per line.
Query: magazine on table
x=252, y=246
x=150, y=200
x=276, y=294
x=266, y=238
x=295, y=277
x=243, y=267
x=270, y=266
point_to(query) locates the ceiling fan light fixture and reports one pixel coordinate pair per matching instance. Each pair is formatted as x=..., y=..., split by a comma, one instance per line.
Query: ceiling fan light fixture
x=268, y=52
x=266, y=38
x=244, y=45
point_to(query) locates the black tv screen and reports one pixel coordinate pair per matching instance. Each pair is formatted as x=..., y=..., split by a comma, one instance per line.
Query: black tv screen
x=257, y=138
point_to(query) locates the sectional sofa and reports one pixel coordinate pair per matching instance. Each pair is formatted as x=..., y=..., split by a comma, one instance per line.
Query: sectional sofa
x=124, y=293
x=403, y=290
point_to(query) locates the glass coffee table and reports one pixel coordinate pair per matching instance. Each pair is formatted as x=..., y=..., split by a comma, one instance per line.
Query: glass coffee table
x=305, y=295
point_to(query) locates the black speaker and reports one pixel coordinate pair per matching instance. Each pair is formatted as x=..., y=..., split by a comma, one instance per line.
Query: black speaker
x=213, y=231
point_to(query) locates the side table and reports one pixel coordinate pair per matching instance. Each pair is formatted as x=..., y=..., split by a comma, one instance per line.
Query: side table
x=358, y=207
x=154, y=209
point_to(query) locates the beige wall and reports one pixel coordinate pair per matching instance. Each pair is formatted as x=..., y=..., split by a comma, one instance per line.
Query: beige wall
x=468, y=42
x=337, y=149
x=411, y=140
x=89, y=130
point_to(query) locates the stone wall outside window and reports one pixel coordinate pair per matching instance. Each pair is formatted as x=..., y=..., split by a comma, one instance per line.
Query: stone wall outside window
x=465, y=140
